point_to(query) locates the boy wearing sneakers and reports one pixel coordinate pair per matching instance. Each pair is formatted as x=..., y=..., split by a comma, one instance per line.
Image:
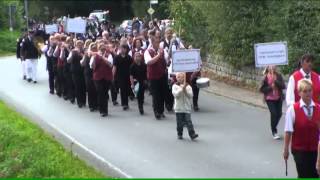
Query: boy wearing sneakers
x=183, y=94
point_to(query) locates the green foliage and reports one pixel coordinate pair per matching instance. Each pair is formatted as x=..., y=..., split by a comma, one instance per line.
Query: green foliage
x=233, y=27
x=27, y=152
x=17, y=19
x=8, y=42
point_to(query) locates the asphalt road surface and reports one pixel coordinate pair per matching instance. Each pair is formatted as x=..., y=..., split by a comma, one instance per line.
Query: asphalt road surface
x=234, y=138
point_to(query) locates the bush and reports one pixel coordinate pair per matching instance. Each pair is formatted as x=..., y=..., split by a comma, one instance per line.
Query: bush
x=8, y=42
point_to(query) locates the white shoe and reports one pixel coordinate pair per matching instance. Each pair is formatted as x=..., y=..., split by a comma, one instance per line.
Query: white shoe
x=276, y=136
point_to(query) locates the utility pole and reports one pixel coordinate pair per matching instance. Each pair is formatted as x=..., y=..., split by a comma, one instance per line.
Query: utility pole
x=26, y=11
x=10, y=17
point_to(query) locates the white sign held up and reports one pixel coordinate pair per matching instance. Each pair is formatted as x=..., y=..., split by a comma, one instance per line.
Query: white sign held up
x=186, y=60
x=51, y=28
x=76, y=25
x=274, y=53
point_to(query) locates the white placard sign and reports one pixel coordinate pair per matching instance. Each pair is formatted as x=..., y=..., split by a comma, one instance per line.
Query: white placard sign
x=186, y=60
x=274, y=53
x=76, y=25
x=51, y=28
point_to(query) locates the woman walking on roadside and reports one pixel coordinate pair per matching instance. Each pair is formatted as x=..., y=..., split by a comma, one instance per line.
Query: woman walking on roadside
x=272, y=86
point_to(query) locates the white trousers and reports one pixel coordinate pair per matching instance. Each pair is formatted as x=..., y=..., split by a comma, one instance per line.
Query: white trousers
x=24, y=68
x=31, y=69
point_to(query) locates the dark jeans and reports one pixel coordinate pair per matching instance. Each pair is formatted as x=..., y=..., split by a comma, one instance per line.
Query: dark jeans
x=306, y=163
x=140, y=94
x=275, y=108
x=51, y=65
x=169, y=99
x=195, y=91
x=102, y=87
x=124, y=91
x=184, y=119
x=80, y=88
x=158, y=91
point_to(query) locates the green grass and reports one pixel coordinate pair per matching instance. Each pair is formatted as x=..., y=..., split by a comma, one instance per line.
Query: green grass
x=8, y=41
x=26, y=151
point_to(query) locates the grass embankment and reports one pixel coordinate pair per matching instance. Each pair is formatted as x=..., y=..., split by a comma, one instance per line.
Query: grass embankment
x=8, y=42
x=27, y=151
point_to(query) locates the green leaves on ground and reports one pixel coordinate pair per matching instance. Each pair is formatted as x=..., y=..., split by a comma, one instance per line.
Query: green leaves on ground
x=28, y=152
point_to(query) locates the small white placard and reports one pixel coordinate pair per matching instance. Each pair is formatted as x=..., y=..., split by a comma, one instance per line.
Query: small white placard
x=274, y=53
x=76, y=25
x=186, y=60
x=51, y=28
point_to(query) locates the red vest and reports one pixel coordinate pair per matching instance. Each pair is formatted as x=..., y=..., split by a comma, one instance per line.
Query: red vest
x=102, y=70
x=157, y=70
x=315, y=84
x=305, y=136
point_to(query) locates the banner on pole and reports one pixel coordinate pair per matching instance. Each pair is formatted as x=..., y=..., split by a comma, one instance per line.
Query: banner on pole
x=51, y=28
x=274, y=53
x=186, y=60
x=76, y=25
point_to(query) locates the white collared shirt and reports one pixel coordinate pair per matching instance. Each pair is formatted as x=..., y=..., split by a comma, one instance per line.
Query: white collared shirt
x=147, y=56
x=110, y=60
x=290, y=115
x=290, y=97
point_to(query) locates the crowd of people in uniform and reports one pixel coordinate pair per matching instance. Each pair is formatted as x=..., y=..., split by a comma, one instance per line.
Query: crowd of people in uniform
x=84, y=71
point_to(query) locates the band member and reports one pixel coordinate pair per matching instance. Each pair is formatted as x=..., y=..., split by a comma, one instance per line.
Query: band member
x=302, y=131
x=51, y=61
x=121, y=72
x=60, y=80
x=69, y=45
x=90, y=48
x=74, y=59
x=305, y=72
x=138, y=73
x=31, y=55
x=20, y=56
x=156, y=60
x=136, y=47
x=114, y=89
x=101, y=64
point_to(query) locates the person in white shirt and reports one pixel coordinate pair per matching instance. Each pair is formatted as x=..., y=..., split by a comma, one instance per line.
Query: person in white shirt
x=305, y=72
x=302, y=131
x=182, y=93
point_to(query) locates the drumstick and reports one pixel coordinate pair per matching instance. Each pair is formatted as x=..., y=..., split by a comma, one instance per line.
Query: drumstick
x=286, y=161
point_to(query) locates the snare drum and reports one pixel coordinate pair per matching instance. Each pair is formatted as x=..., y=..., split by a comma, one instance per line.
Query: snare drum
x=203, y=82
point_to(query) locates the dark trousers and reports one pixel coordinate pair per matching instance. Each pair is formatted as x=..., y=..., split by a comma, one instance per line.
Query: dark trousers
x=92, y=92
x=102, y=87
x=69, y=83
x=306, y=163
x=169, y=99
x=184, y=119
x=60, y=82
x=51, y=66
x=275, y=108
x=124, y=91
x=140, y=94
x=158, y=91
x=114, y=90
x=195, y=91
x=80, y=88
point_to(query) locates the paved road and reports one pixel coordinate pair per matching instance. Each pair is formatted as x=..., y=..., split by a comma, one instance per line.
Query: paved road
x=234, y=140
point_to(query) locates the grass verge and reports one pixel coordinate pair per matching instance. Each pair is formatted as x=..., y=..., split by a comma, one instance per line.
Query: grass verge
x=8, y=41
x=26, y=151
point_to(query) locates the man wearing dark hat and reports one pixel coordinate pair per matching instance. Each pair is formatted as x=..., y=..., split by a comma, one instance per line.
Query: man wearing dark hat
x=31, y=55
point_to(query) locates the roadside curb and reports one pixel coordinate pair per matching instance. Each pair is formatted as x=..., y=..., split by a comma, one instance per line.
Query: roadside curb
x=68, y=142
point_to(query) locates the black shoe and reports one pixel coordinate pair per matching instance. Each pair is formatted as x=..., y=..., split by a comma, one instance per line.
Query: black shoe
x=158, y=117
x=65, y=98
x=59, y=94
x=180, y=137
x=72, y=101
x=196, y=108
x=51, y=92
x=29, y=80
x=92, y=109
x=115, y=103
x=162, y=116
x=24, y=77
x=141, y=111
x=131, y=98
x=125, y=108
x=103, y=114
x=35, y=82
x=194, y=136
